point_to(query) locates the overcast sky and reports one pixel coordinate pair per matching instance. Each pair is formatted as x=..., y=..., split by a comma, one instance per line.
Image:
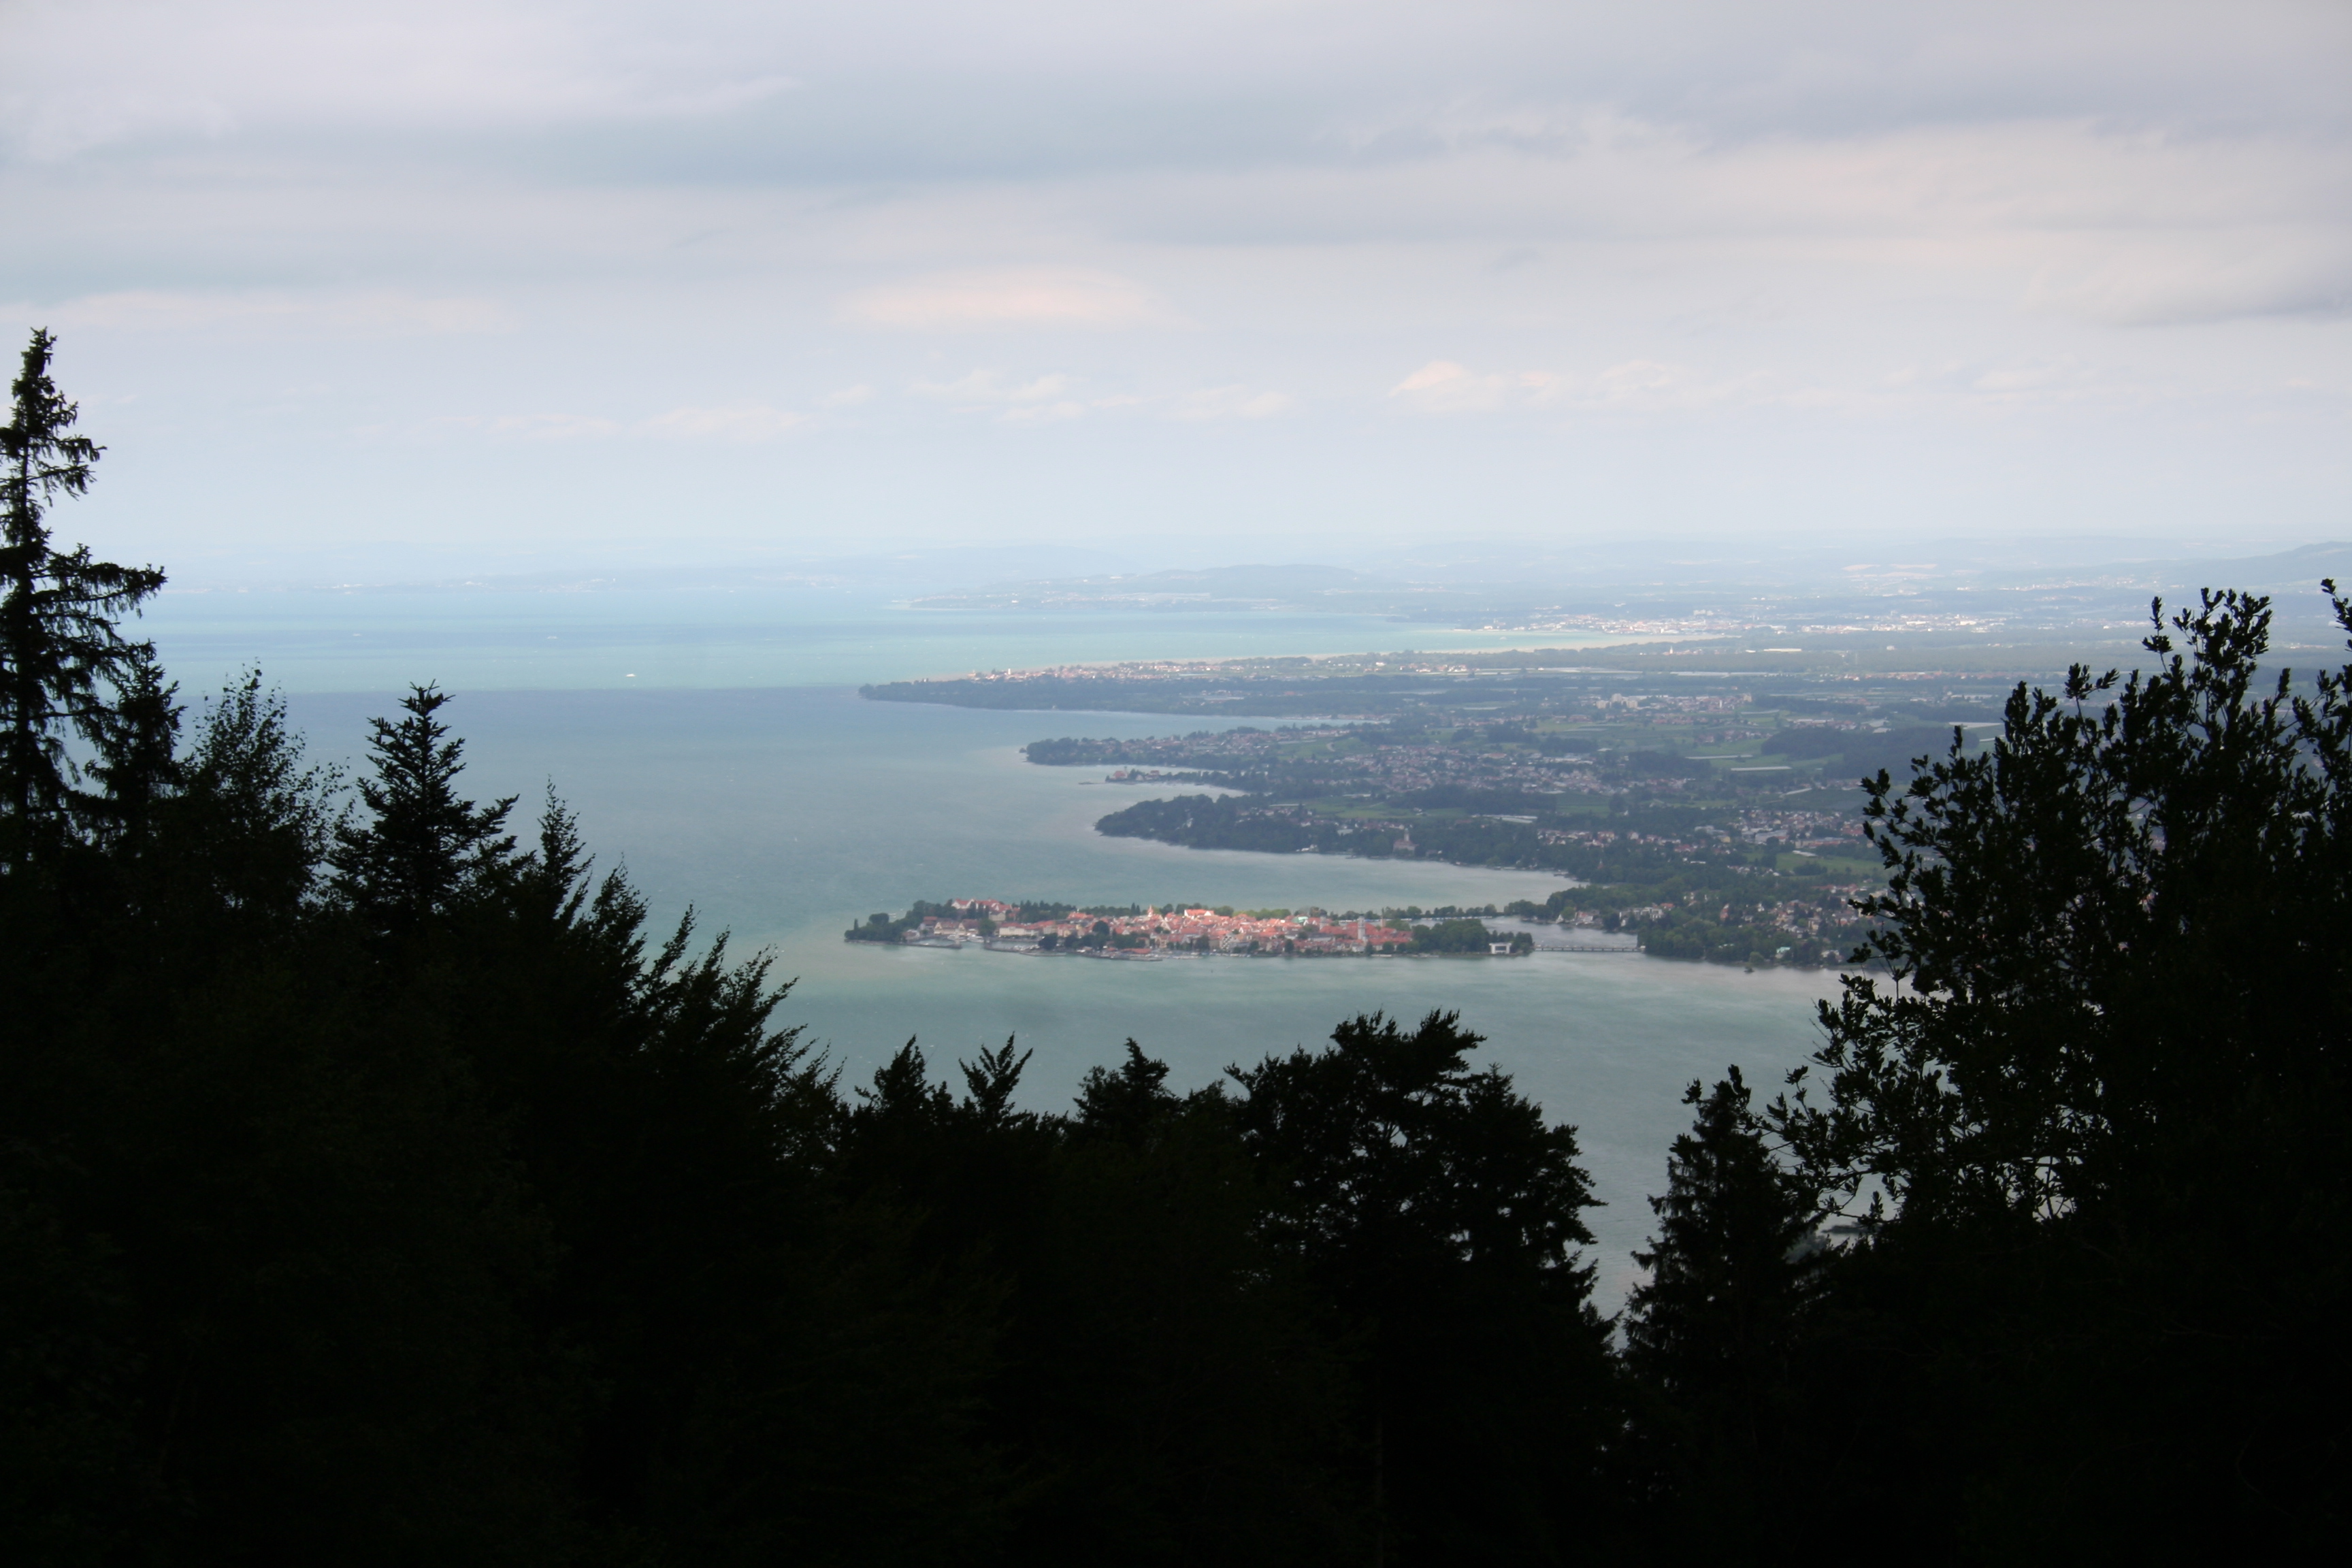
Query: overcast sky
x=503, y=281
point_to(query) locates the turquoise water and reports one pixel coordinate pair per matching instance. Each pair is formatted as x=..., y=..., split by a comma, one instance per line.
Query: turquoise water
x=739, y=773
x=787, y=814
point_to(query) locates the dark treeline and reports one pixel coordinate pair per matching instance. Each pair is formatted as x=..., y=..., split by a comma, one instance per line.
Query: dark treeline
x=376, y=1187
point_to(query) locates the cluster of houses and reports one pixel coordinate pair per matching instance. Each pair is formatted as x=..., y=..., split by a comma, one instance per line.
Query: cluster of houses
x=997, y=925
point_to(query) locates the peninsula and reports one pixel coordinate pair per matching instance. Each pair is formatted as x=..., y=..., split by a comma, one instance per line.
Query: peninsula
x=1715, y=813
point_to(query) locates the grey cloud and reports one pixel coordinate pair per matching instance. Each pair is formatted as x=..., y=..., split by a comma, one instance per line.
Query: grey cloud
x=946, y=89
x=2209, y=276
x=720, y=213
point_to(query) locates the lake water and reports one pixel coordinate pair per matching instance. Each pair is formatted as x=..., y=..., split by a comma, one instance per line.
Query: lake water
x=494, y=639
x=738, y=772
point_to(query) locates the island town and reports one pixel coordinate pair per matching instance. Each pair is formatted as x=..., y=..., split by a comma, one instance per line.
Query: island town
x=1146, y=933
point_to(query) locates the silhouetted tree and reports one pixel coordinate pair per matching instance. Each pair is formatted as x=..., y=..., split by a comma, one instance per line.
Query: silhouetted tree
x=992, y=1080
x=2092, y=1127
x=64, y=664
x=1128, y=1104
x=252, y=819
x=1711, y=1336
x=136, y=738
x=424, y=848
x=1734, y=1262
x=1192, y=1404
x=1438, y=1214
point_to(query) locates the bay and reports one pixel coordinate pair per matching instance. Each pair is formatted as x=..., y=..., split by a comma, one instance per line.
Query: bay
x=738, y=773
x=786, y=815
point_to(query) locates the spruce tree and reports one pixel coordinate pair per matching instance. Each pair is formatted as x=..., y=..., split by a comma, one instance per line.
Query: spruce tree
x=1733, y=1265
x=65, y=668
x=1712, y=1339
x=137, y=739
x=1126, y=1104
x=1714, y=1335
x=426, y=848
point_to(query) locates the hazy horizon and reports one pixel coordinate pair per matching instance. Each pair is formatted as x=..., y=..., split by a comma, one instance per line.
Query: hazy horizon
x=520, y=287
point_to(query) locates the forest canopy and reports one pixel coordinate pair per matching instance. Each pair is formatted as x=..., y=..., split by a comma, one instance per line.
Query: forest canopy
x=376, y=1185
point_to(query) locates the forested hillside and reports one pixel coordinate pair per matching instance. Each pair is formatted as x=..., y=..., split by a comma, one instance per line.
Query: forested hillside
x=375, y=1187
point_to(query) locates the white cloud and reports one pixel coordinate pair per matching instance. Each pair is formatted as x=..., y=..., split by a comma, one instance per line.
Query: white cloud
x=2043, y=382
x=113, y=71
x=2132, y=220
x=2179, y=278
x=1043, y=400
x=1033, y=297
x=743, y=421
x=1045, y=412
x=1442, y=386
x=1653, y=386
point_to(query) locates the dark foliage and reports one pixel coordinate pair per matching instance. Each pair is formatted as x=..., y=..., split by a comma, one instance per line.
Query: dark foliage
x=2089, y=1140
x=421, y=851
x=1466, y=936
x=1711, y=1338
x=375, y=1188
x=1438, y=1214
x=66, y=672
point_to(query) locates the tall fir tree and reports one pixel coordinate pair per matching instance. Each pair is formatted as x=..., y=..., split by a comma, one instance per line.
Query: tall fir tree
x=425, y=849
x=66, y=669
x=1732, y=1268
x=136, y=739
x=1714, y=1335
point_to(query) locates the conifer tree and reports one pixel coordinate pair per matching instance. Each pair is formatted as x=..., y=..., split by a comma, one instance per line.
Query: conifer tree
x=136, y=739
x=65, y=667
x=426, y=848
x=1125, y=1104
x=1732, y=1265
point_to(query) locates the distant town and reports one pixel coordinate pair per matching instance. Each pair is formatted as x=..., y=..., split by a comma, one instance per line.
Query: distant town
x=1709, y=815
x=1146, y=933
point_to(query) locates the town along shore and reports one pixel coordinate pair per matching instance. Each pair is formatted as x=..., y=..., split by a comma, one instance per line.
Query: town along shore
x=1148, y=932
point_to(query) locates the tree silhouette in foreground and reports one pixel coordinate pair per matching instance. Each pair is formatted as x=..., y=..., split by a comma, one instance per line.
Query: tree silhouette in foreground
x=2091, y=1131
x=63, y=661
x=378, y=1188
x=1438, y=1214
x=1735, y=1272
x=422, y=847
